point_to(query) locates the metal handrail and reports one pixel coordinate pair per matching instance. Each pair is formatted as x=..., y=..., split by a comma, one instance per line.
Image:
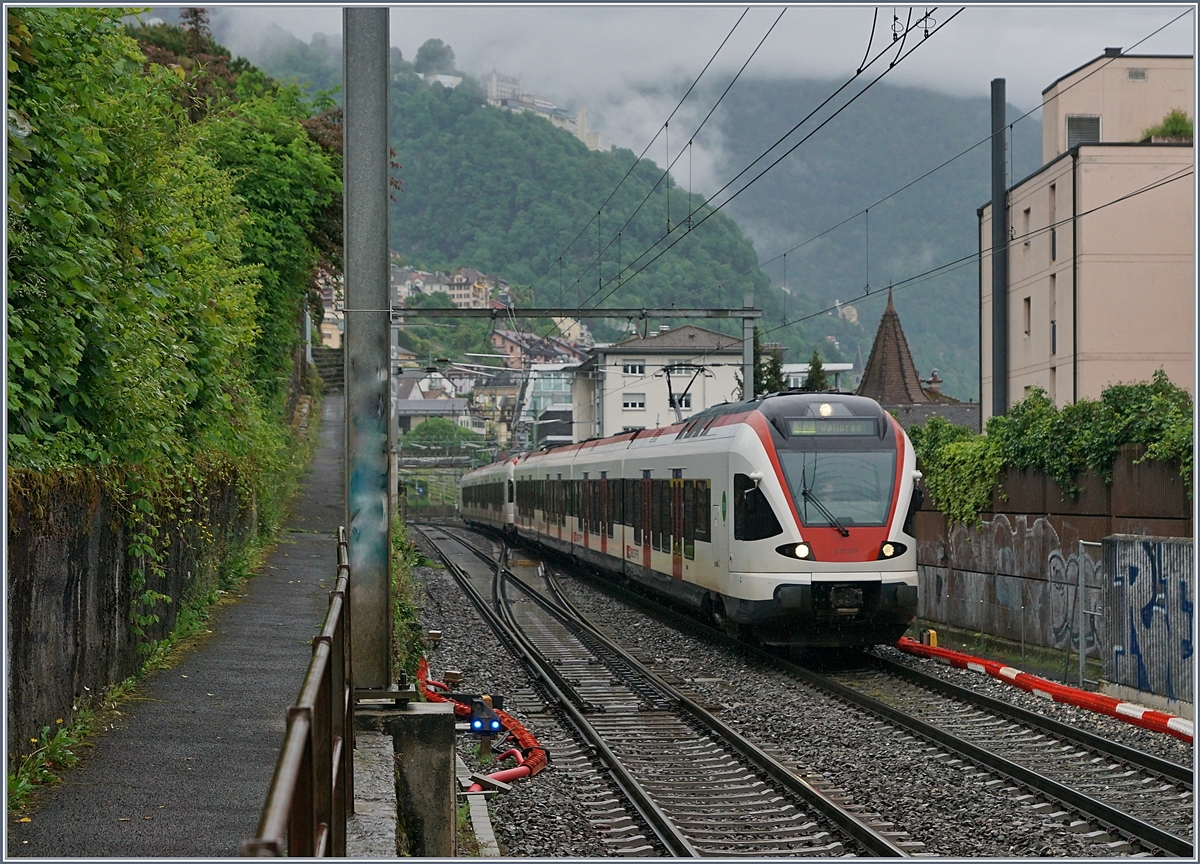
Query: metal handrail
x=312, y=791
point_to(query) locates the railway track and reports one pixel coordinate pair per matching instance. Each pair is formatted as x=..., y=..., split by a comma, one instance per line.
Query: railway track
x=1128, y=799
x=702, y=788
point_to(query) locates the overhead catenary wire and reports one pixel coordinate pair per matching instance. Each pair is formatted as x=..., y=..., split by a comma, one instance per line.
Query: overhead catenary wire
x=714, y=210
x=971, y=258
x=645, y=150
x=666, y=172
x=939, y=166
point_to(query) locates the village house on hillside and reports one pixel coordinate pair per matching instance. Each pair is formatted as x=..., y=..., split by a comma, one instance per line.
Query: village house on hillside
x=466, y=287
x=506, y=92
x=1100, y=290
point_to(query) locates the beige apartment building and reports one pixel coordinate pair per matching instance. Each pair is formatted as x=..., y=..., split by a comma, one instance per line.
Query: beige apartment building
x=623, y=387
x=1101, y=267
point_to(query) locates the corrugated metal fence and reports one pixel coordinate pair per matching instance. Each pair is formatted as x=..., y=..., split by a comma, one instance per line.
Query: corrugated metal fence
x=1150, y=596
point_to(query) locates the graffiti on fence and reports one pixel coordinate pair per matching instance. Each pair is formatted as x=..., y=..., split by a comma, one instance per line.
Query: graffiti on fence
x=1150, y=610
x=1063, y=573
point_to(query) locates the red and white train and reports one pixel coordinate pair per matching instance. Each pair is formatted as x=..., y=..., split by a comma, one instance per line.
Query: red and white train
x=789, y=516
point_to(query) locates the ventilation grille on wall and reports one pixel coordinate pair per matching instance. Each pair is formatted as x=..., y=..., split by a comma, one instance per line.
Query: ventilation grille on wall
x=1082, y=130
x=1137, y=74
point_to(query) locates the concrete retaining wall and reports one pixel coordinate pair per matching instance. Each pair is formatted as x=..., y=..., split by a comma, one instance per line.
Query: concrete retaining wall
x=1015, y=574
x=69, y=597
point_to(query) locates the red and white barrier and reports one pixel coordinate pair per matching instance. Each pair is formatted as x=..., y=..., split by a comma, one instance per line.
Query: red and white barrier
x=1138, y=715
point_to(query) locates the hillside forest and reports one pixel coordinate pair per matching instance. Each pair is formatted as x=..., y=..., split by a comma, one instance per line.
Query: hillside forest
x=507, y=193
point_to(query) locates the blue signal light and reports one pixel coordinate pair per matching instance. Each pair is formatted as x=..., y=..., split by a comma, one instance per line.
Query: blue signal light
x=478, y=724
x=495, y=724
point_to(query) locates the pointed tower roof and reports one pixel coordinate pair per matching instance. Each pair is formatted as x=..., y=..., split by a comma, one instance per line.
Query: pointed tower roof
x=890, y=376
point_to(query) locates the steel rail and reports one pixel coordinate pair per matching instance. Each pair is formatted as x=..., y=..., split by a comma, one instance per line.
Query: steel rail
x=874, y=841
x=1109, y=816
x=501, y=621
x=1085, y=739
x=854, y=826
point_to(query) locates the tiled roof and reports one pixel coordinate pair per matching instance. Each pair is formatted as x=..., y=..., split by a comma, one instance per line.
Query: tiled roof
x=890, y=377
x=689, y=337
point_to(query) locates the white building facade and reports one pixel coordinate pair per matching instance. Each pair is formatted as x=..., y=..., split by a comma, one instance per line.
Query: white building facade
x=630, y=385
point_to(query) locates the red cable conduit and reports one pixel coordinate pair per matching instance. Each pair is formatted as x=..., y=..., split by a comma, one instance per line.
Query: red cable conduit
x=1138, y=715
x=530, y=757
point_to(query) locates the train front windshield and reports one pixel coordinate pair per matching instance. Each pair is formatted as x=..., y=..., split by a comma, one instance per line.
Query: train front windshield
x=839, y=468
x=855, y=488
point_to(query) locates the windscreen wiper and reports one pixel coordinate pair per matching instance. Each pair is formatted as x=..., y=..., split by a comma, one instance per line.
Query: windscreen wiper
x=809, y=496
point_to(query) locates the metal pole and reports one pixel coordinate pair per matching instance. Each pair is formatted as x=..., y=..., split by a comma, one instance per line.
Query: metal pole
x=748, y=357
x=1080, y=589
x=307, y=335
x=999, y=255
x=365, y=85
x=393, y=421
x=1082, y=612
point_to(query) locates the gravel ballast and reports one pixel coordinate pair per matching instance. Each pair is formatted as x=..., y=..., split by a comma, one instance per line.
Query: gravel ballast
x=543, y=816
x=954, y=807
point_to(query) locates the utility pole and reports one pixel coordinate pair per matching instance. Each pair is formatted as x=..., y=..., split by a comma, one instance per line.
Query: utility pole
x=367, y=354
x=999, y=254
x=748, y=358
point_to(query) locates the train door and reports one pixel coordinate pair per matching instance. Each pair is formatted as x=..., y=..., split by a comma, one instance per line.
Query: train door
x=647, y=502
x=586, y=510
x=676, y=523
x=604, y=513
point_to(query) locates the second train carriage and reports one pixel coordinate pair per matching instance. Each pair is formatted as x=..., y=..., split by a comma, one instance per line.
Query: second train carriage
x=789, y=515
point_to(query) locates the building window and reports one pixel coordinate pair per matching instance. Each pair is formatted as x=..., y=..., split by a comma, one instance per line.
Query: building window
x=1028, y=314
x=1083, y=129
x=634, y=367
x=1027, y=221
x=633, y=401
x=1137, y=74
x=681, y=400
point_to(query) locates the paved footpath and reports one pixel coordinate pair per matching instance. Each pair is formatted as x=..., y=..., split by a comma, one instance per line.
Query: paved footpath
x=186, y=770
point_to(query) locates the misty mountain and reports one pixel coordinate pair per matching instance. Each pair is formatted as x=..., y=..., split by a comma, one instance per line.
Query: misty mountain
x=887, y=138
x=506, y=193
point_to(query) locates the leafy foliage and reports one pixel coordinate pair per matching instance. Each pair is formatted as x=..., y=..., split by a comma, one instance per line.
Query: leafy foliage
x=1176, y=123
x=434, y=56
x=160, y=248
x=438, y=433
x=506, y=193
x=962, y=468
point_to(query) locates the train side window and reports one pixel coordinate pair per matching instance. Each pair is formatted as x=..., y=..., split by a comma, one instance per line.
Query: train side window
x=689, y=518
x=510, y=491
x=753, y=518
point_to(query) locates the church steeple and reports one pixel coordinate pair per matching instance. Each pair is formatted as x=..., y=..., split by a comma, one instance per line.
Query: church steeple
x=890, y=376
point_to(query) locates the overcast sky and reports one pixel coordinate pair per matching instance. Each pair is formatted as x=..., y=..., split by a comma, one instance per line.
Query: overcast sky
x=628, y=64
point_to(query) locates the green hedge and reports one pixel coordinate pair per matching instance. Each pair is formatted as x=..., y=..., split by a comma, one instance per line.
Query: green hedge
x=962, y=468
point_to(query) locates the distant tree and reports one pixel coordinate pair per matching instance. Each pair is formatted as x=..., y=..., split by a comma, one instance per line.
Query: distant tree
x=194, y=20
x=1176, y=123
x=435, y=56
x=817, y=379
x=769, y=377
x=438, y=432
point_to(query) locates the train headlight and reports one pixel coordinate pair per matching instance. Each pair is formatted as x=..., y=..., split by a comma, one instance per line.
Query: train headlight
x=795, y=550
x=890, y=549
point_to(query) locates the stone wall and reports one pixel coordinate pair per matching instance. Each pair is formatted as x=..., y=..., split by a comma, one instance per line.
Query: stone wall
x=69, y=596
